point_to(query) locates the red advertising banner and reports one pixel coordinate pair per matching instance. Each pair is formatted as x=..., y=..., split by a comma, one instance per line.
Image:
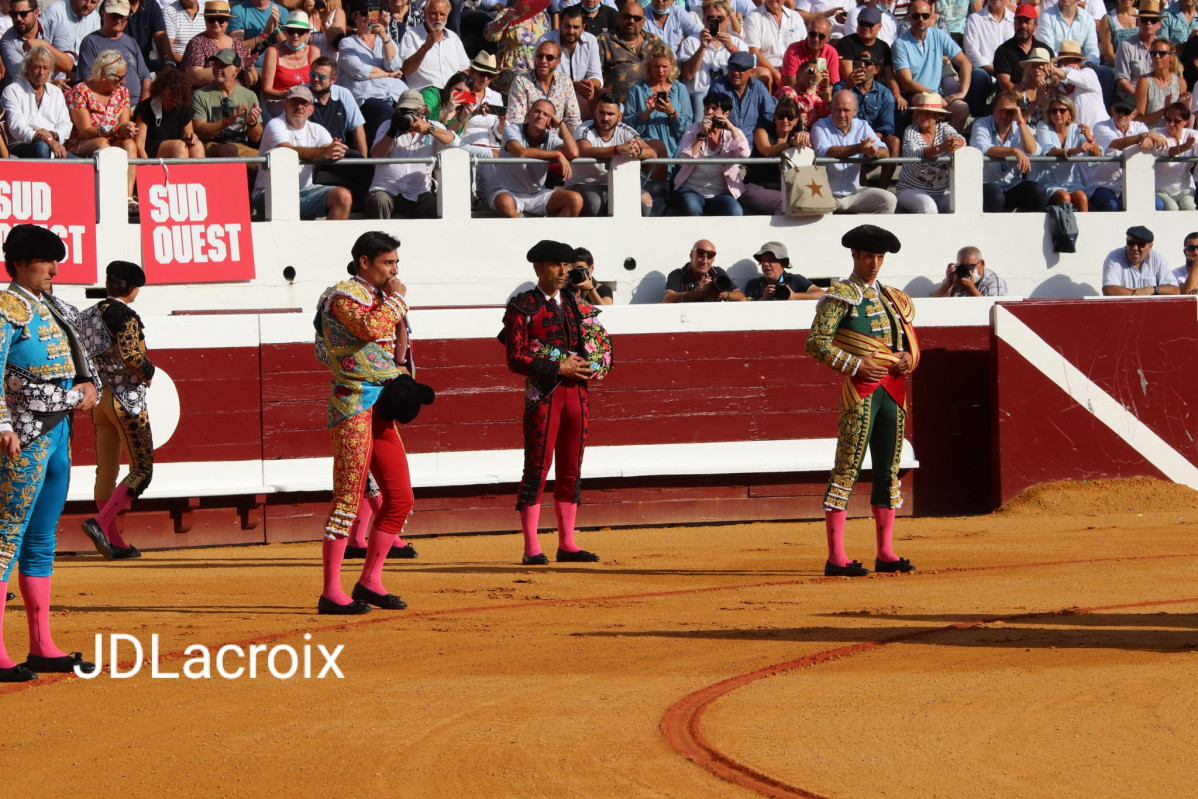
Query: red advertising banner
x=61, y=197
x=195, y=223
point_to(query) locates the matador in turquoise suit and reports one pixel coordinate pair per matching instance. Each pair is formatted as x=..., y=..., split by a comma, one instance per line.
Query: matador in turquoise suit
x=47, y=376
x=862, y=329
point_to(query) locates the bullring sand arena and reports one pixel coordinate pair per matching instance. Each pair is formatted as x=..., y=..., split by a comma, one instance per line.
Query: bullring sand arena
x=1047, y=649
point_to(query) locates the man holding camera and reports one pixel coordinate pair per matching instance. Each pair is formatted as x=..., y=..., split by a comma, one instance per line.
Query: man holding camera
x=862, y=330
x=543, y=337
x=226, y=115
x=701, y=280
x=581, y=280
x=969, y=277
x=406, y=190
x=775, y=282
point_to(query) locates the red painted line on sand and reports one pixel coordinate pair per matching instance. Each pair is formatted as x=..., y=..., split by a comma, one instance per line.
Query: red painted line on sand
x=378, y=617
x=681, y=723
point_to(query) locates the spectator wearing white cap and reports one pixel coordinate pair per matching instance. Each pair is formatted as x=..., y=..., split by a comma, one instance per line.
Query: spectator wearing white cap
x=431, y=53
x=776, y=283
x=114, y=18
x=310, y=141
x=406, y=190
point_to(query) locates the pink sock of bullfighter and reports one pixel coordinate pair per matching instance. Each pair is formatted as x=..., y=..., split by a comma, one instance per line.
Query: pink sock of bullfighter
x=332, y=553
x=361, y=526
x=36, y=593
x=566, y=512
x=884, y=521
x=376, y=555
x=530, y=517
x=834, y=519
x=111, y=531
x=119, y=501
x=5, y=661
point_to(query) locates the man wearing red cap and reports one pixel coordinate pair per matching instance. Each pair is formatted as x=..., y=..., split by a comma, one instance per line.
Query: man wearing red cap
x=862, y=329
x=1009, y=55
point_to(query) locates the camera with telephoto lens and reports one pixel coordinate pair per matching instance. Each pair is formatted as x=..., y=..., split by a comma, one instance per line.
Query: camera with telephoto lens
x=782, y=292
x=578, y=275
x=722, y=283
x=402, y=120
x=964, y=270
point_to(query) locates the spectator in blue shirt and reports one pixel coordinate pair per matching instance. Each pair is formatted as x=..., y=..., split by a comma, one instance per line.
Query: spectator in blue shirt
x=256, y=22
x=843, y=135
x=919, y=62
x=670, y=25
x=875, y=104
x=1005, y=135
x=752, y=104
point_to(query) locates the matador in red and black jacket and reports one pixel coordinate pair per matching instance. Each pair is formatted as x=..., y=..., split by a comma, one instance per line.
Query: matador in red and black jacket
x=543, y=334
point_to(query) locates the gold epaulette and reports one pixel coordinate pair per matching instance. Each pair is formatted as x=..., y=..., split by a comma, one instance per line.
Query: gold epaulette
x=902, y=303
x=846, y=291
x=15, y=308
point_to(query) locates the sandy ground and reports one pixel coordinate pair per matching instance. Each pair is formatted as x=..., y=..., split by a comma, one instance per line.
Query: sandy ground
x=1031, y=660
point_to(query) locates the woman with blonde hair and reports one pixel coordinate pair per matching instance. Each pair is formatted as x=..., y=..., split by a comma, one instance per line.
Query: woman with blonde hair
x=1160, y=87
x=1062, y=137
x=658, y=106
x=100, y=113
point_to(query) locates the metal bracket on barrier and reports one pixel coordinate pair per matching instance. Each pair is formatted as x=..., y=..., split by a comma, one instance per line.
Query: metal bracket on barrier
x=181, y=514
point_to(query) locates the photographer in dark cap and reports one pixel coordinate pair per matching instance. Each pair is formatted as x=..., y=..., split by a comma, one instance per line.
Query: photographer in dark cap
x=701, y=280
x=47, y=376
x=969, y=277
x=862, y=330
x=113, y=334
x=775, y=282
x=547, y=342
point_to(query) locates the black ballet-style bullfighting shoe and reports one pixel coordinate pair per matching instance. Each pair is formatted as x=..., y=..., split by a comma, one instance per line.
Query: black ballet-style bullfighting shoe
x=406, y=552
x=851, y=569
x=63, y=664
x=539, y=559
x=125, y=553
x=581, y=556
x=17, y=673
x=10, y=596
x=327, y=607
x=355, y=552
x=96, y=533
x=384, y=601
x=900, y=566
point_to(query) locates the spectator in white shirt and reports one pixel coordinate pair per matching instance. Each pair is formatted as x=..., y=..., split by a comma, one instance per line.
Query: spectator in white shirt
x=521, y=189
x=985, y=31
x=1137, y=269
x=1175, y=179
x=704, y=58
x=183, y=22
x=603, y=138
x=431, y=54
x=1079, y=83
x=310, y=141
x=579, y=57
x=1122, y=134
x=38, y=122
x=406, y=190
x=768, y=31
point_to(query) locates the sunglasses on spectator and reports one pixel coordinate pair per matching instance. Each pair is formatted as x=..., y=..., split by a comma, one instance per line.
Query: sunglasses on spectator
x=920, y=16
x=631, y=17
x=785, y=115
x=1191, y=248
x=1139, y=245
x=1160, y=53
x=216, y=20
x=1058, y=110
x=1143, y=21
x=705, y=253
x=546, y=57
x=20, y=14
x=817, y=35
x=294, y=31
x=1175, y=120
x=319, y=77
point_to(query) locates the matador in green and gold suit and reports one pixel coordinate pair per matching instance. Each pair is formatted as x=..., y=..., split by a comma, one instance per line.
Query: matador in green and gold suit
x=862, y=329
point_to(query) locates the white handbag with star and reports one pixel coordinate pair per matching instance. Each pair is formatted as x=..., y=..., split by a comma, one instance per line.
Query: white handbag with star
x=805, y=188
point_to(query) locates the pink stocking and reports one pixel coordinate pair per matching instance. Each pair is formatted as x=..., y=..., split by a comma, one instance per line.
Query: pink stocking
x=361, y=526
x=530, y=517
x=5, y=661
x=884, y=522
x=332, y=552
x=834, y=519
x=376, y=555
x=36, y=593
x=120, y=500
x=567, y=512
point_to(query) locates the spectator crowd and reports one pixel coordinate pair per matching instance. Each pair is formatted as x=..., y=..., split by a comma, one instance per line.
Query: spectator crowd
x=706, y=82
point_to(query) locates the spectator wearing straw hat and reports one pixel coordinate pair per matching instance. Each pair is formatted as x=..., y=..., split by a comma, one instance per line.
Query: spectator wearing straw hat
x=1133, y=59
x=1034, y=90
x=923, y=187
x=1080, y=84
x=198, y=54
